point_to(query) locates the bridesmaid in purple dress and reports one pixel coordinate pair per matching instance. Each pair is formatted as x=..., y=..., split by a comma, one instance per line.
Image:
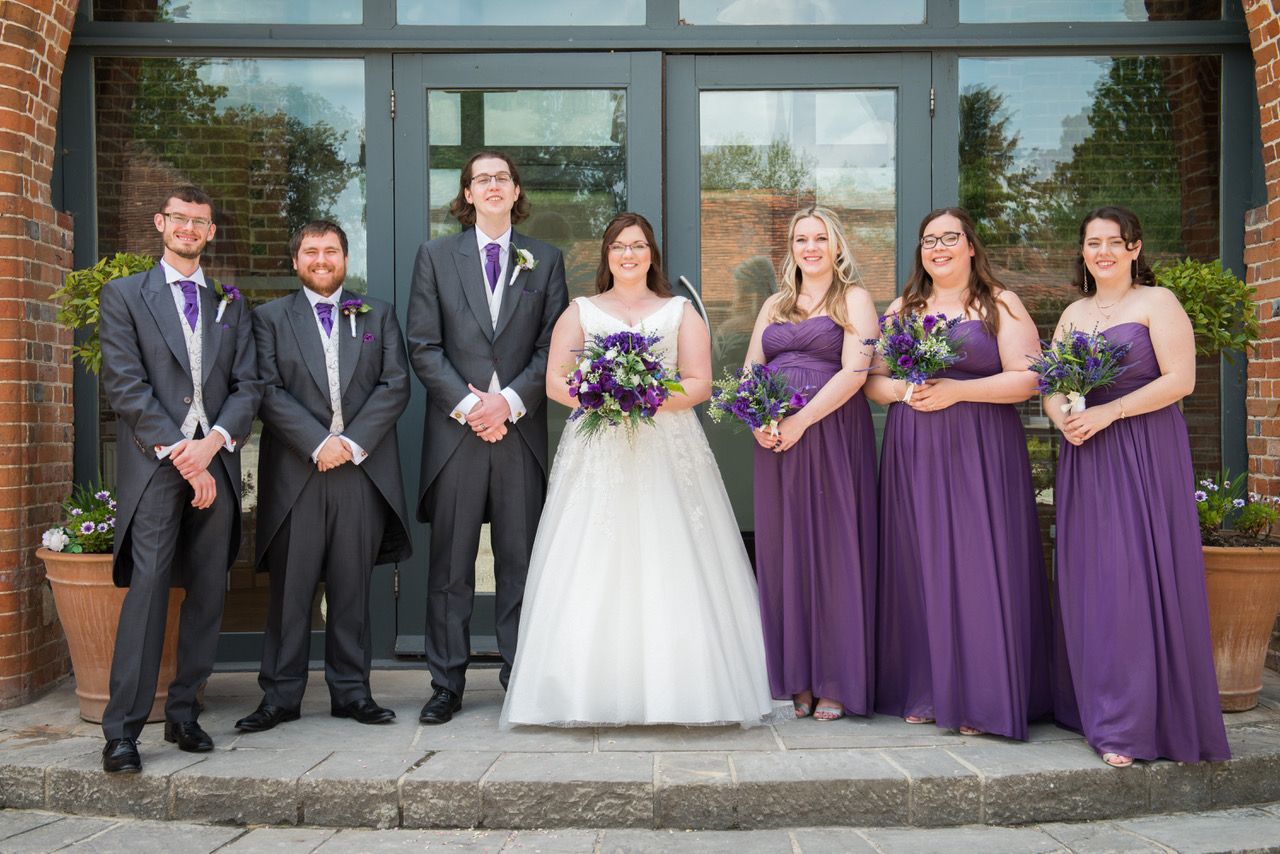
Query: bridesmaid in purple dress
x=1130, y=571
x=963, y=635
x=815, y=481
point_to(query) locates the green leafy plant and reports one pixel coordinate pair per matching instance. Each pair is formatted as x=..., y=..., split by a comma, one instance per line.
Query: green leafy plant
x=1221, y=502
x=79, y=300
x=1218, y=302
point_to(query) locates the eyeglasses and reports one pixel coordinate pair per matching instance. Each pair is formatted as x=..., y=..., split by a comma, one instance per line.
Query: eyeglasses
x=947, y=238
x=182, y=220
x=637, y=248
x=502, y=179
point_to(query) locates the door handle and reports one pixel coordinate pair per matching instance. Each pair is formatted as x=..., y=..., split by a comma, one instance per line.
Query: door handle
x=697, y=301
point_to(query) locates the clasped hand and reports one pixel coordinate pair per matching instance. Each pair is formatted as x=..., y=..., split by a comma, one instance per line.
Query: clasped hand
x=333, y=453
x=1078, y=426
x=789, y=431
x=191, y=458
x=934, y=395
x=488, y=418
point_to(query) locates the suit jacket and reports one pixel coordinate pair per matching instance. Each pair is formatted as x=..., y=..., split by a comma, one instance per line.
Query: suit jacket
x=147, y=378
x=373, y=376
x=452, y=340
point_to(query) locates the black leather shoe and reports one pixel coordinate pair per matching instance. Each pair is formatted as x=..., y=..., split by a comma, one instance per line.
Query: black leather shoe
x=265, y=717
x=364, y=710
x=188, y=736
x=120, y=756
x=440, y=708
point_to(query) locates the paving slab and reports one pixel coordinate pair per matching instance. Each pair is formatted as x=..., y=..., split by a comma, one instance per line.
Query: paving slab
x=552, y=842
x=1101, y=837
x=699, y=842
x=55, y=835
x=279, y=840
x=524, y=790
x=444, y=791
x=13, y=822
x=694, y=790
x=79, y=785
x=23, y=763
x=1253, y=774
x=244, y=786
x=944, y=791
x=355, y=789
x=1236, y=830
x=819, y=787
x=989, y=840
x=130, y=837
x=415, y=841
x=676, y=738
x=858, y=732
x=825, y=840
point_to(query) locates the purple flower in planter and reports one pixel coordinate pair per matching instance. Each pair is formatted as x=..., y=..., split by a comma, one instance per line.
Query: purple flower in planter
x=87, y=527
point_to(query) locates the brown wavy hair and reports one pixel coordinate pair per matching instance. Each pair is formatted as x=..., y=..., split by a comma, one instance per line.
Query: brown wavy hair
x=787, y=308
x=984, y=287
x=465, y=212
x=655, y=279
x=1130, y=230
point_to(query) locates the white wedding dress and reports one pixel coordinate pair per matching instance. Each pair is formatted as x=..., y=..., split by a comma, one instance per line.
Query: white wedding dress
x=640, y=606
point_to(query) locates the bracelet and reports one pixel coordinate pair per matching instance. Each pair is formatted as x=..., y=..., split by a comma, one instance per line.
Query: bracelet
x=1120, y=400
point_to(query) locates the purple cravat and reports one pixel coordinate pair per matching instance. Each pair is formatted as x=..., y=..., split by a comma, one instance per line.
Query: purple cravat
x=492, y=266
x=190, y=307
x=324, y=310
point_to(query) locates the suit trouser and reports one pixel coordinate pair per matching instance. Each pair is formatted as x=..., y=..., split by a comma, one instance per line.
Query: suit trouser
x=503, y=484
x=331, y=534
x=164, y=527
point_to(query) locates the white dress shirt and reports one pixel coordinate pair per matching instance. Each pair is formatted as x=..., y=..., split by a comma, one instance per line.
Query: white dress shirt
x=329, y=343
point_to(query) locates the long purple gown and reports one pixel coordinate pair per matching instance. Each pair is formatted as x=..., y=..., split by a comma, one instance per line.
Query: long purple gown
x=964, y=631
x=815, y=514
x=1135, y=620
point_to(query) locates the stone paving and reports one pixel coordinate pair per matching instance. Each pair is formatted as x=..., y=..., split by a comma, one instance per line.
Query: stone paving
x=878, y=772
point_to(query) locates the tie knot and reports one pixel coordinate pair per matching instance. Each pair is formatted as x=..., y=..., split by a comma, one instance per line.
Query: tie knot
x=491, y=251
x=188, y=287
x=324, y=310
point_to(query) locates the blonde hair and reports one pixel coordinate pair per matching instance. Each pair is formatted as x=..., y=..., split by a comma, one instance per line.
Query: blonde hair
x=786, y=309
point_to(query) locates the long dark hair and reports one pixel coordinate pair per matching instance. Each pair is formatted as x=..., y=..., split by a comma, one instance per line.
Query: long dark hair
x=465, y=212
x=1130, y=230
x=983, y=284
x=655, y=279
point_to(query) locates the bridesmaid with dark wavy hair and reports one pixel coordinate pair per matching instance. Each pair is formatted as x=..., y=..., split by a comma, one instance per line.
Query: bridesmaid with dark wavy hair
x=963, y=630
x=1130, y=572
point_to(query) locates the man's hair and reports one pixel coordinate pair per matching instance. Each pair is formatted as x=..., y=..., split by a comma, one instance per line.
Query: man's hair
x=465, y=212
x=316, y=228
x=192, y=196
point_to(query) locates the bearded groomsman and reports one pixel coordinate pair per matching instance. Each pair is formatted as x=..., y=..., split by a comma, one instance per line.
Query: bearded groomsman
x=331, y=501
x=178, y=370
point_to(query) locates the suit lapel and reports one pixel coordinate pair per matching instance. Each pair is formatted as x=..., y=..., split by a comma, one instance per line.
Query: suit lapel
x=307, y=334
x=160, y=301
x=349, y=348
x=211, y=338
x=510, y=295
x=466, y=255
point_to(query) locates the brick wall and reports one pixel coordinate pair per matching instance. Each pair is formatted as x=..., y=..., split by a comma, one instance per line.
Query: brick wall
x=35, y=372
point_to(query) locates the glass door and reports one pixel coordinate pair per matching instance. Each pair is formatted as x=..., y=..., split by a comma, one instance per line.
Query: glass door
x=585, y=131
x=752, y=140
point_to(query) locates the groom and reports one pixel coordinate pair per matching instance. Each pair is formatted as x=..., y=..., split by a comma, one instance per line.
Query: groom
x=481, y=310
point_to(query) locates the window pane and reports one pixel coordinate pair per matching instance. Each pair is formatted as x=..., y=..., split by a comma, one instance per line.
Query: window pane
x=1008, y=11
x=508, y=13
x=231, y=11
x=801, y=12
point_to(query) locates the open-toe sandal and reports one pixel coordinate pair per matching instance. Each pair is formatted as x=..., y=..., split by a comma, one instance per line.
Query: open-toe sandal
x=1117, y=760
x=828, y=713
x=918, y=719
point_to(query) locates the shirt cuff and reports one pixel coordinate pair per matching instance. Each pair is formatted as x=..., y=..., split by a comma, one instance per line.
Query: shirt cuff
x=516, y=404
x=315, y=455
x=463, y=407
x=358, y=454
x=163, y=451
x=228, y=443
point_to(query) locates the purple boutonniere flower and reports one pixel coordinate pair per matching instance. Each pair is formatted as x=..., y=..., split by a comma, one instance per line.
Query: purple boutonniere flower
x=227, y=294
x=352, y=307
x=369, y=336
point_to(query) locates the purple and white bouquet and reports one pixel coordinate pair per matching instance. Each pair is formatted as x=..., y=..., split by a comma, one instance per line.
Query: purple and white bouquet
x=1076, y=364
x=758, y=396
x=89, y=525
x=916, y=346
x=620, y=380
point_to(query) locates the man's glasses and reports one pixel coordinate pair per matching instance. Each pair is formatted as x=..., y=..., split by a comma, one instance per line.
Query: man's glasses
x=637, y=248
x=502, y=179
x=947, y=238
x=182, y=220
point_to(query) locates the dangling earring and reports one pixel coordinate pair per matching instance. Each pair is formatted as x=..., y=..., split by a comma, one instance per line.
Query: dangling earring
x=1089, y=285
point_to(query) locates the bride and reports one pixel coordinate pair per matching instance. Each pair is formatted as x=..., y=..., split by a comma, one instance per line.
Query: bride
x=640, y=606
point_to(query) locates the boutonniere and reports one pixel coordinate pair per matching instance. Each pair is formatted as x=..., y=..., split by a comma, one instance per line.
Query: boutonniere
x=227, y=294
x=352, y=307
x=524, y=261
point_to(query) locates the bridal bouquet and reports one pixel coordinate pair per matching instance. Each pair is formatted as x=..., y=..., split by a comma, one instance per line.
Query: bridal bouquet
x=1076, y=364
x=620, y=380
x=916, y=346
x=756, y=396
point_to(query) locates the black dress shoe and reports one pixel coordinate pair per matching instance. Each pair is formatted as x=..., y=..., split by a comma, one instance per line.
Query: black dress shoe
x=265, y=717
x=440, y=708
x=120, y=756
x=364, y=710
x=188, y=736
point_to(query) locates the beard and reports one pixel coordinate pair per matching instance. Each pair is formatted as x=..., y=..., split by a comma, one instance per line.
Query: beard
x=320, y=286
x=191, y=253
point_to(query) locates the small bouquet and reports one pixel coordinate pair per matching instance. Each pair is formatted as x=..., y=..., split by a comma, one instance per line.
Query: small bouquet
x=620, y=380
x=88, y=527
x=1076, y=364
x=916, y=346
x=756, y=396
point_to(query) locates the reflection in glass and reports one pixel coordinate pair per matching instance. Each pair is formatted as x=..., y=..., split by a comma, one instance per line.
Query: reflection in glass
x=510, y=13
x=752, y=12
x=1009, y=11
x=231, y=11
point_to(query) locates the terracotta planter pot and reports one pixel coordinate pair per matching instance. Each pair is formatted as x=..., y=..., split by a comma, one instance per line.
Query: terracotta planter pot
x=1244, y=597
x=89, y=608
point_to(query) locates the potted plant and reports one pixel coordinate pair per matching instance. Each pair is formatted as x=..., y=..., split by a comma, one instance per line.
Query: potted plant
x=1220, y=305
x=77, y=552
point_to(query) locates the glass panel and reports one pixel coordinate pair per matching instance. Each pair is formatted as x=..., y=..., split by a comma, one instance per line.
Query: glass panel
x=1009, y=11
x=275, y=143
x=510, y=13
x=231, y=11
x=1043, y=140
x=801, y=12
x=765, y=154
x=570, y=148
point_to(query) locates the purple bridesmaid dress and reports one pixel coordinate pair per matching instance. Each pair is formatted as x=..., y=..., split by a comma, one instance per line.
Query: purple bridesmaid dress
x=815, y=519
x=964, y=631
x=1135, y=621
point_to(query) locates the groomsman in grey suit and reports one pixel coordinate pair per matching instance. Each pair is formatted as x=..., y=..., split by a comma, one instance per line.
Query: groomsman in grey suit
x=481, y=310
x=179, y=372
x=331, y=501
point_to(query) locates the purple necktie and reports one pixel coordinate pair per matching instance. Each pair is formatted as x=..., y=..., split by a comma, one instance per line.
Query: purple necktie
x=324, y=310
x=190, y=308
x=492, y=266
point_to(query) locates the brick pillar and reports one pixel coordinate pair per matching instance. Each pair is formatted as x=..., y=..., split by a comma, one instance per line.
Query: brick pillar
x=35, y=372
